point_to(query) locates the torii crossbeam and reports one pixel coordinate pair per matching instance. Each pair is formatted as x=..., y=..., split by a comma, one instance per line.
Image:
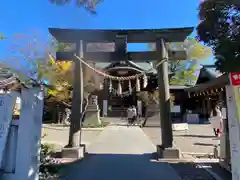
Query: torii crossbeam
x=120, y=38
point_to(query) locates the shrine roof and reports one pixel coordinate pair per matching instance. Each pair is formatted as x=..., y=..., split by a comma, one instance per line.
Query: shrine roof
x=11, y=80
x=216, y=83
x=144, y=66
x=177, y=87
x=210, y=71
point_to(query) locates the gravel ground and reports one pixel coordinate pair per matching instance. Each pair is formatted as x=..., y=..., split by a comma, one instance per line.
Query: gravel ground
x=198, y=139
x=58, y=135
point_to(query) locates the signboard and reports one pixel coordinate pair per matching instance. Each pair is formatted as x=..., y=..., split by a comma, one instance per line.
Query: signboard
x=233, y=104
x=7, y=103
x=235, y=82
x=235, y=78
x=100, y=47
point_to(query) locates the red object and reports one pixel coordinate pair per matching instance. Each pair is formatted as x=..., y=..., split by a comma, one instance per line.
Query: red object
x=220, y=130
x=235, y=78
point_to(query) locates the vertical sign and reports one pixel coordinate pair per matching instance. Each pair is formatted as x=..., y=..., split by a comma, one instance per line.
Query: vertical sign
x=7, y=103
x=233, y=104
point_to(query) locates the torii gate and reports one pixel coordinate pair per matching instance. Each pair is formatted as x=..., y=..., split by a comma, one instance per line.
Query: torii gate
x=121, y=37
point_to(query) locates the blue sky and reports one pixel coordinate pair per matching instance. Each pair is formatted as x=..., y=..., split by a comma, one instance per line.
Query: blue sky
x=30, y=15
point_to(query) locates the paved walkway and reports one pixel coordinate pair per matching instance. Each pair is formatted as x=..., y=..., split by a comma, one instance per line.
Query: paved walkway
x=121, y=152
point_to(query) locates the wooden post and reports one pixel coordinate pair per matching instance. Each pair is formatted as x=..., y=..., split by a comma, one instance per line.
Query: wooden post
x=164, y=96
x=77, y=98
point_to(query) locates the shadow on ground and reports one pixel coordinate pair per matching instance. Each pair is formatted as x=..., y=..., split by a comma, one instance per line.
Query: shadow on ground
x=204, y=144
x=192, y=171
x=119, y=167
x=141, y=167
x=152, y=126
x=196, y=136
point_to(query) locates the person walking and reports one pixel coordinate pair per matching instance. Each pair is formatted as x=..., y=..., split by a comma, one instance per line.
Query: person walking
x=129, y=115
x=216, y=120
x=134, y=118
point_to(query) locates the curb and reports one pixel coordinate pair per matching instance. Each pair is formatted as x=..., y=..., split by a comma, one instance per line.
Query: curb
x=196, y=153
x=67, y=127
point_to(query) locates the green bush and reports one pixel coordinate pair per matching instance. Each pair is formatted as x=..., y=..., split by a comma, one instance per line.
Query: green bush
x=48, y=169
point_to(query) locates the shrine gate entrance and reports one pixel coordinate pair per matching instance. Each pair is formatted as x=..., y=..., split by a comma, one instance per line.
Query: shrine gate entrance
x=81, y=38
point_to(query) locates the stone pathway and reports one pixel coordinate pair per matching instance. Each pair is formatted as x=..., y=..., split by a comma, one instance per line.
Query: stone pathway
x=118, y=153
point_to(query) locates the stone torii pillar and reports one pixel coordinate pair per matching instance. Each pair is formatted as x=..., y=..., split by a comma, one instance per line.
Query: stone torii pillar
x=77, y=99
x=166, y=149
x=164, y=95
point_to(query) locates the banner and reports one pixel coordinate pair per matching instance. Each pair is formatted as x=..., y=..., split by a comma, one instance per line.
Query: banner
x=233, y=104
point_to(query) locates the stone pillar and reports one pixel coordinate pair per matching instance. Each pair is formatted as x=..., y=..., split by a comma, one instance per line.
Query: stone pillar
x=165, y=150
x=73, y=149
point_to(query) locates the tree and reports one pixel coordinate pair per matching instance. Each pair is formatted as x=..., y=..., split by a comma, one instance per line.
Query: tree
x=183, y=72
x=194, y=49
x=90, y=5
x=220, y=29
x=29, y=55
x=33, y=56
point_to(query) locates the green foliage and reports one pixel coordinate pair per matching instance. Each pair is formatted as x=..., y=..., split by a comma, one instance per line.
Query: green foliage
x=194, y=49
x=48, y=168
x=60, y=46
x=185, y=74
x=34, y=50
x=219, y=28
